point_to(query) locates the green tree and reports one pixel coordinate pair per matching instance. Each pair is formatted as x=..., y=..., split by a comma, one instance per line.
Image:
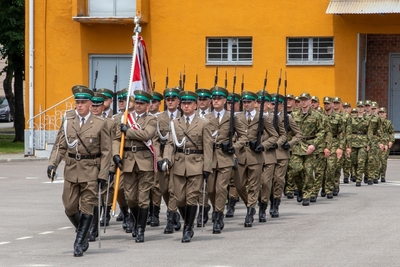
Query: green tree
x=12, y=47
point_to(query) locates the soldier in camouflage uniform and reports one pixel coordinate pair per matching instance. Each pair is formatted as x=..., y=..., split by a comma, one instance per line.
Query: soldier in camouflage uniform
x=346, y=156
x=361, y=134
x=302, y=163
x=389, y=140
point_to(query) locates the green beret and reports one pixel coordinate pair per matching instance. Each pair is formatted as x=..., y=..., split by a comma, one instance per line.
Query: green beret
x=81, y=92
x=237, y=97
x=157, y=96
x=327, y=99
x=107, y=92
x=188, y=96
x=122, y=93
x=267, y=96
x=219, y=91
x=172, y=92
x=247, y=95
x=203, y=93
x=142, y=96
x=305, y=95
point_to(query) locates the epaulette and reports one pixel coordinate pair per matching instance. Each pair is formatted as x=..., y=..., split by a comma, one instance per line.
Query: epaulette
x=206, y=120
x=100, y=118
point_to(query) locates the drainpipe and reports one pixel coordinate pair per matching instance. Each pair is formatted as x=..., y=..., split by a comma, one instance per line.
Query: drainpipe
x=31, y=51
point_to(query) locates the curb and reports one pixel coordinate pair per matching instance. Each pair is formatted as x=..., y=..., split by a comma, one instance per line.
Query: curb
x=22, y=160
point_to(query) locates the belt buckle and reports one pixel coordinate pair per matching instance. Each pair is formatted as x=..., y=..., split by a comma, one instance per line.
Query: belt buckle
x=246, y=144
x=187, y=151
x=217, y=145
x=78, y=156
x=133, y=149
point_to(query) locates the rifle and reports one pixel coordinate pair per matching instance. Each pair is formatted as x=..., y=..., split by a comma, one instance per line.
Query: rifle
x=232, y=117
x=166, y=86
x=196, y=84
x=216, y=77
x=241, y=91
x=184, y=78
x=226, y=79
x=115, y=91
x=275, y=121
x=96, y=73
x=260, y=129
x=154, y=82
x=285, y=115
x=180, y=79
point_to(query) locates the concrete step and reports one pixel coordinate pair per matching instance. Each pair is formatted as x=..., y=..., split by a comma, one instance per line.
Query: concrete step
x=44, y=153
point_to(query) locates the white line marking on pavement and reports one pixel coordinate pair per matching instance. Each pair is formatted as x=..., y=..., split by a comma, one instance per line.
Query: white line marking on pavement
x=3, y=177
x=3, y=243
x=46, y=233
x=32, y=178
x=64, y=228
x=55, y=182
x=24, y=237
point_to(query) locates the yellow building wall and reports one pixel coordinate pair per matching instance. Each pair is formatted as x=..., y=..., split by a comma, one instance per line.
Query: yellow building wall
x=176, y=37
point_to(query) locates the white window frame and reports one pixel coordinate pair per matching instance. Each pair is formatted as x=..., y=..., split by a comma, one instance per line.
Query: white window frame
x=308, y=55
x=231, y=42
x=112, y=8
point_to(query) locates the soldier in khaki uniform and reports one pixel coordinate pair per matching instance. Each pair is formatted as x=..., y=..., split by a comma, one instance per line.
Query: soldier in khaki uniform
x=107, y=111
x=85, y=146
x=250, y=158
x=138, y=160
x=171, y=96
x=190, y=148
x=223, y=158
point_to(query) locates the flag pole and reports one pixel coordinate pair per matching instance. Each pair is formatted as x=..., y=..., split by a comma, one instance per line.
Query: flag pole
x=136, y=30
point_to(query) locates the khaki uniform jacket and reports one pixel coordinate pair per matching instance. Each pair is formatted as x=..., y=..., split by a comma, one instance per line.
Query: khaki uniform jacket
x=192, y=164
x=270, y=156
x=133, y=140
x=96, y=137
x=270, y=137
x=295, y=132
x=163, y=124
x=222, y=135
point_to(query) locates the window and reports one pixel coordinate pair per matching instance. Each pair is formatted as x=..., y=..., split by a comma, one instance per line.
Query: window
x=309, y=51
x=230, y=51
x=112, y=8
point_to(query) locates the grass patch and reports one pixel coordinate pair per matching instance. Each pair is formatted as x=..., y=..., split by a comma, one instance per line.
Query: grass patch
x=8, y=147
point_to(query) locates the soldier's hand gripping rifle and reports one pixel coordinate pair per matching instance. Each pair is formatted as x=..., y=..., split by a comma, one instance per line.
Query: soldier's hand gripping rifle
x=257, y=146
x=276, y=117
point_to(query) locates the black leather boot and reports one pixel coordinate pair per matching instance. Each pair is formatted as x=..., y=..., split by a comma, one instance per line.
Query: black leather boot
x=126, y=217
x=132, y=228
x=182, y=211
x=108, y=216
x=155, y=220
x=230, y=208
x=141, y=225
x=177, y=221
x=75, y=220
x=262, y=216
x=81, y=239
x=169, y=229
x=120, y=216
x=249, y=217
x=300, y=196
x=94, y=228
x=276, y=204
x=217, y=225
x=189, y=221
x=150, y=217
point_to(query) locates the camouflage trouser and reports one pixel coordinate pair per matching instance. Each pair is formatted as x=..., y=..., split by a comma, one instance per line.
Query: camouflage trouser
x=383, y=159
x=346, y=165
x=359, y=157
x=373, y=162
x=302, y=172
x=339, y=164
x=330, y=173
x=319, y=181
x=290, y=185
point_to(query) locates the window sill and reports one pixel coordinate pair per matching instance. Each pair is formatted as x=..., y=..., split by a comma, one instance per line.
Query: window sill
x=229, y=63
x=310, y=63
x=104, y=20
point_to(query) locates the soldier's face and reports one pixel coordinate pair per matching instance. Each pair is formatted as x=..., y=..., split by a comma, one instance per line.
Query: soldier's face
x=305, y=102
x=337, y=105
x=382, y=115
x=249, y=105
x=347, y=109
x=204, y=103
x=141, y=107
x=83, y=107
x=368, y=108
x=360, y=109
x=236, y=106
x=121, y=104
x=314, y=104
x=97, y=109
x=218, y=102
x=327, y=106
x=107, y=103
x=375, y=110
x=290, y=102
x=154, y=105
x=188, y=108
x=172, y=103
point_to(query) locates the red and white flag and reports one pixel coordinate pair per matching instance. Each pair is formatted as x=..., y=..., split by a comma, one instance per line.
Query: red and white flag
x=141, y=79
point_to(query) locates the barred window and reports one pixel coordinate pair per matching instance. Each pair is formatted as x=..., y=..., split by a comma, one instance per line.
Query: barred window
x=228, y=51
x=310, y=51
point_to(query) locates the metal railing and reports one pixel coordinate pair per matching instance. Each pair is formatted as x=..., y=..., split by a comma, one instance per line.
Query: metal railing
x=45, y=130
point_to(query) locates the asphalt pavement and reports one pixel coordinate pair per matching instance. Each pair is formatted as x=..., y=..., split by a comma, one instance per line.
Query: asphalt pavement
x=357, y=228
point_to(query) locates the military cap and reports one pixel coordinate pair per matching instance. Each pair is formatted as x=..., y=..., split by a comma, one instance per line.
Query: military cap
x=327, y=99
x=107, y=92
x=98, y=99
x=203, y=93
x=81, y=92
x=121, y=94
x=315, y=98
x=180, y=89
x=188, y=96
x=237, y=97
x=374, y=104
x=171, y=92
x=219, y=91
x=296, y=99
x=247, y=95
x=142, y=96
x=319, y=109
x=290, y=96
x=382, y=110
x=157, y=96
x=346, y=104
x=267, y=96
x=360, y=104
x=279, y=97
x=305, y=95
x=354, y=110
x=336, y=99
x=367, y=103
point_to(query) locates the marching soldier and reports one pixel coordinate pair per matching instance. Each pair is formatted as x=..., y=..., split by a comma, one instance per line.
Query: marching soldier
x=315, y=102
x=107, y=112
x=389, y=140
x=347, y=156
x=302, y=163
x=290, y=185
x=190, y=151
x=138, y=162
x=204, y=108
x=250, y=158
x=85, y=147
x=223, y=157
x=171, y=96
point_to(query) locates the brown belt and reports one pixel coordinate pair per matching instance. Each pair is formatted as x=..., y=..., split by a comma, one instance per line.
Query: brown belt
x=136, y=148
x=79, y=156
x=188, y=151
